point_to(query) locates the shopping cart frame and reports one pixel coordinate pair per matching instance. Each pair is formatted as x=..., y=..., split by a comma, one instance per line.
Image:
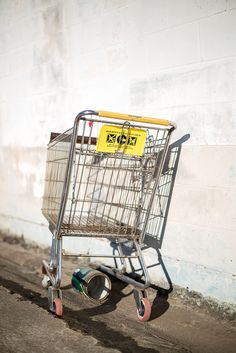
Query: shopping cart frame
x=52, y=270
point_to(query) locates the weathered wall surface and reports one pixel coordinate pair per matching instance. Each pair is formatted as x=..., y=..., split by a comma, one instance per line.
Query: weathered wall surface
x=164, y=58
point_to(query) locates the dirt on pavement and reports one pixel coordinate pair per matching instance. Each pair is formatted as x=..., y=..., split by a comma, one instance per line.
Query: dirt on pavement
x=26, y=325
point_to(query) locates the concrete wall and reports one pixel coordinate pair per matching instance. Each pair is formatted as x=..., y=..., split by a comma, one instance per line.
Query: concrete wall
x=164, y=58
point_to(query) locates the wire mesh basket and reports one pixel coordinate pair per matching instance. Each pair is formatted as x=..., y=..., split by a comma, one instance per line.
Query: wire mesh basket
x=101, y=180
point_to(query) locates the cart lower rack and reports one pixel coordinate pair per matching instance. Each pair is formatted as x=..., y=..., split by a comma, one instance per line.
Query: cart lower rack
x=101, y=180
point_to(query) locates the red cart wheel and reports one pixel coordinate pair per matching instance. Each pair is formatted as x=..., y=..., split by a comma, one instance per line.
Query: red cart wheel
x=144, y=312
x=58, y=307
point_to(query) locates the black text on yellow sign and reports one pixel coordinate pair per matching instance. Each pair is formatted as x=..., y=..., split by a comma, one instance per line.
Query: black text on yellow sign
x=127, y=140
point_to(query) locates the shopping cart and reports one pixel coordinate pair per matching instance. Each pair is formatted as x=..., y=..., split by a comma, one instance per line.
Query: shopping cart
x=101, y=180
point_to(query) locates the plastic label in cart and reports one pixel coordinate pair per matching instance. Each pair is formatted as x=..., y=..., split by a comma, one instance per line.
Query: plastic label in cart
x=116, y=138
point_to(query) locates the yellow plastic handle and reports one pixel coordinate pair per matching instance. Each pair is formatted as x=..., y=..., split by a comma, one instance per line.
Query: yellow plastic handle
x=140, y=119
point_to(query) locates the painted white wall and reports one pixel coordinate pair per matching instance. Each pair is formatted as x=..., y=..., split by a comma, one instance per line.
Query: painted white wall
x=163, y=58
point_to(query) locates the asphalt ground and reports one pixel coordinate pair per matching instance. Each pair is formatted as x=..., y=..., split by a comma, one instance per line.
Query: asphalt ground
x=26, y=325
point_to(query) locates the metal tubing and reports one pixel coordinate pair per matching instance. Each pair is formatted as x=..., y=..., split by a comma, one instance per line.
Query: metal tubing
x=49, y=274
x=122, y=258
x=52, y=263
x=154, y=190
x=58, y=272
x=55, y=280
x=67, y=178
x=102, y=256
x=122, y=277
x=119, y=273
x=143, y=265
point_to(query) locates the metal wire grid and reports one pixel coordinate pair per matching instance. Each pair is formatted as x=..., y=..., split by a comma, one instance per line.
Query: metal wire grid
x=109, y=193
x=56, y=167
x=158, y=210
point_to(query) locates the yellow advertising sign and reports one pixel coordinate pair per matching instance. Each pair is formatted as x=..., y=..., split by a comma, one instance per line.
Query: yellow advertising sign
x=116, y=138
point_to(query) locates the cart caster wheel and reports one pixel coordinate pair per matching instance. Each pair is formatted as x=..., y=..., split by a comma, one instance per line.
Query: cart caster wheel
x=144, y=311
x=46, y=282
x=55, y=301
x=58, y=307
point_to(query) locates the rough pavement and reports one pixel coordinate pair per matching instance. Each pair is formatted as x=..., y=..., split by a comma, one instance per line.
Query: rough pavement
x=26, y=325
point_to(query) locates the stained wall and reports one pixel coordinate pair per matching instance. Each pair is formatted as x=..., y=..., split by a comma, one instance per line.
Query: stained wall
x=164, y=58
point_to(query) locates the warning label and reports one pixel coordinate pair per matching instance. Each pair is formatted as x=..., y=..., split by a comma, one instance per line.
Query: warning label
x=115, y=138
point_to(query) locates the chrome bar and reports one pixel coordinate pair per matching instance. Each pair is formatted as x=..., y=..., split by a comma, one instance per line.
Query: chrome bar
x=99, y=255
x=122, y=277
